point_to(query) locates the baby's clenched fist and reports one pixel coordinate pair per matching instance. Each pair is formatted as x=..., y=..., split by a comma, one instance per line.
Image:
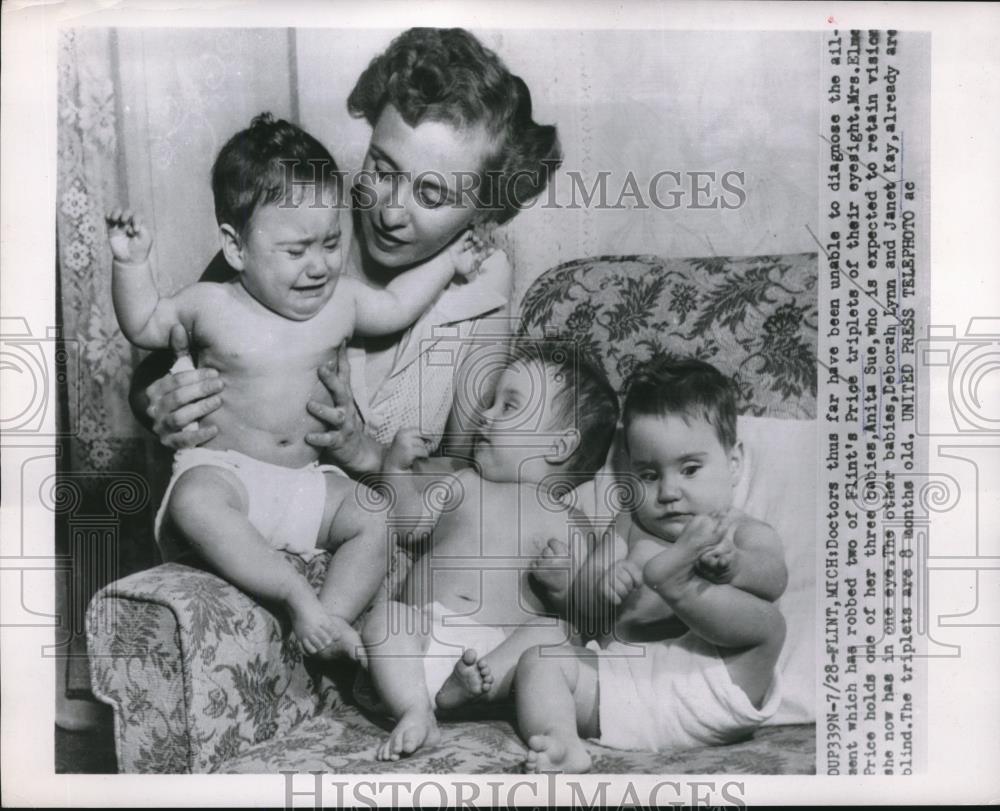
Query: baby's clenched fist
x=128, y=237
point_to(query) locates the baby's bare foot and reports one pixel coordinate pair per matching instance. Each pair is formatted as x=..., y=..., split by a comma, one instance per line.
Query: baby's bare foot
x=470, y=679
x=415, y=729
x=547, y=753
x=314, y=628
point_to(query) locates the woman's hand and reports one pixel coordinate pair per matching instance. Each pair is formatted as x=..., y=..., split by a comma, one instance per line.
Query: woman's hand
x=346, y=442
x=178, y=400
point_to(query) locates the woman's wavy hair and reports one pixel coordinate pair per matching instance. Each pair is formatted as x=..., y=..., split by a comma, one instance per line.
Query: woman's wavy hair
x=436, y=74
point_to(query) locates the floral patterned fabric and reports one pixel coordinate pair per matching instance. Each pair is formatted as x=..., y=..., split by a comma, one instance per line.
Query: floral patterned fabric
x=203, y=679
x=345, y=743
x=754, y=318
x=196, y=671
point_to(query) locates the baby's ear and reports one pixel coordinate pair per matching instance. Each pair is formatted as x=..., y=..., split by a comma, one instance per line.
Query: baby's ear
x=232, y=246
x=736, y=462
x=563, y=447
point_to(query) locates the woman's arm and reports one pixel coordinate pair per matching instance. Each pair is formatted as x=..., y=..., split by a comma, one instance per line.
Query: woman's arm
x=168, y=404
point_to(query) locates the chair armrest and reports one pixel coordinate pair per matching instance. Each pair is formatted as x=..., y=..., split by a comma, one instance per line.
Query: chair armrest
x=195, y=670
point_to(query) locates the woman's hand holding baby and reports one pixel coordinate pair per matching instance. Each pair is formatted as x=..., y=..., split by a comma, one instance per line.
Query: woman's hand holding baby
x=345, y=440
x=177, y=401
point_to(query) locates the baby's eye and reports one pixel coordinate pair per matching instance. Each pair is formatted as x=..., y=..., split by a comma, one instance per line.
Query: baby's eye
x=508, y=407
x=690, y=470
x=296, y=253
x=331, y=246
x=648, y=476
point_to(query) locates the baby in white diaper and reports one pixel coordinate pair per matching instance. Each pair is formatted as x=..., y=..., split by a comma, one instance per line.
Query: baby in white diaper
x=680, y=595
x=449, y=640
x=256, y=486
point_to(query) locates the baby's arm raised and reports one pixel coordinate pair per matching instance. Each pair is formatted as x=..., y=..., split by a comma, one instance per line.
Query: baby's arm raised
x=145, y=317
x=401, y=302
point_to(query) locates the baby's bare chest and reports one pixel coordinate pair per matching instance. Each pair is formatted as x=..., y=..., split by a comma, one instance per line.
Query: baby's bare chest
x=498, y=521
x=251, y=344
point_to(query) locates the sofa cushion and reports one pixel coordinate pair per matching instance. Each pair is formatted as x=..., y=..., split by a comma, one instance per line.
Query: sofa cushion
x=754, y=318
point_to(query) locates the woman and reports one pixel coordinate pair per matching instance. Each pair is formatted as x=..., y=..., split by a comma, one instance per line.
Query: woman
x=454, y=150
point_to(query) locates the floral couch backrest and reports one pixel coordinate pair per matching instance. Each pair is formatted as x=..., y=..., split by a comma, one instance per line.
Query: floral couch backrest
x=752, y=317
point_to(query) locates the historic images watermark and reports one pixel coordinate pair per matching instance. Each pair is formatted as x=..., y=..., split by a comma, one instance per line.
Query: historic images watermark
x=320, y=790
x=489, y=191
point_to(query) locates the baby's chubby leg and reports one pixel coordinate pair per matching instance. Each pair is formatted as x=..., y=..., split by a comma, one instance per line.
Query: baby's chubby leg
x=557, y=702
x=748, y=630
x=489, y=677
x=356, y=532
x=208, y=506
x=396, y=643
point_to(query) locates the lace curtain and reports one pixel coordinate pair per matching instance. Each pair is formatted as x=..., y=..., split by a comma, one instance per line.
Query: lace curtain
x=142, y=114
x=103, y=509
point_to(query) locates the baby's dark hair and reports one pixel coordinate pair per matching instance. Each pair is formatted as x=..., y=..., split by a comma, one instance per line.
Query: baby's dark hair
x=586, y=401
x=690, y=388
x=436, y=74
x=266, y=163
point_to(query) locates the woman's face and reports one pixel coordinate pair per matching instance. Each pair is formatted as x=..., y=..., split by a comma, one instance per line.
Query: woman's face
x=409, y=196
